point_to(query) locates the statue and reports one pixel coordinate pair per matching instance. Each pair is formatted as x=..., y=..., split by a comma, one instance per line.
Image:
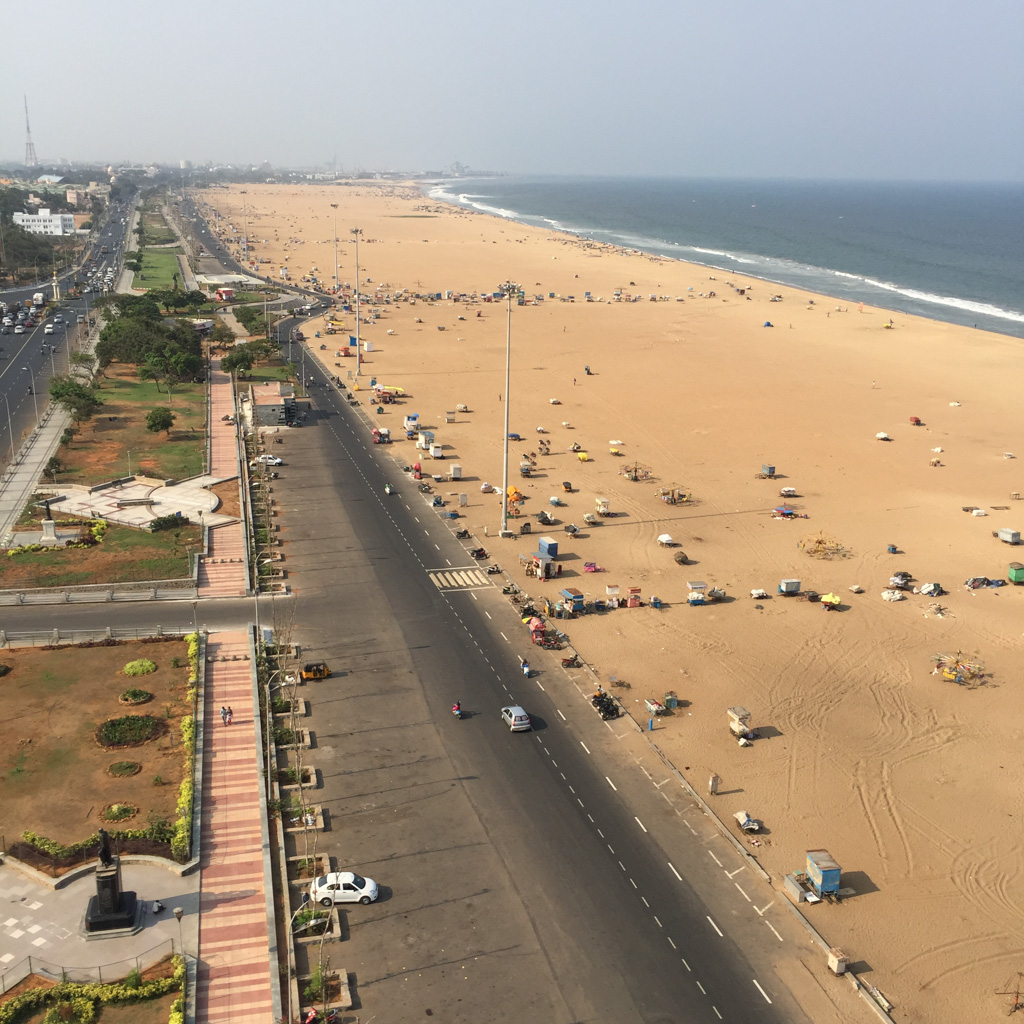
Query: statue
x=106, y=859
x=46, y=507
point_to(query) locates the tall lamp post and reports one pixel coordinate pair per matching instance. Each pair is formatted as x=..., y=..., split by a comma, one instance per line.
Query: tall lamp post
x=32, y=388
x=245, y=227
x=356, y=232
x=508, y=289
x=10, y=429
x=334, y=207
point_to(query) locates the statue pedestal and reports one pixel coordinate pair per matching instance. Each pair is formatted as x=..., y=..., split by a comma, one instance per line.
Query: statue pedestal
x=49, y=532
x=112, y=909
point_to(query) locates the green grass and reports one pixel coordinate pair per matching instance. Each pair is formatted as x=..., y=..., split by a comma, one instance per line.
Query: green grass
x=177, y=456
x=268, y=372
x=158, y=269
x=137, y=556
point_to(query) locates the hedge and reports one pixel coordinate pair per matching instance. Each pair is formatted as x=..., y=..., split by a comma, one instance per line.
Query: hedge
x=96, y=995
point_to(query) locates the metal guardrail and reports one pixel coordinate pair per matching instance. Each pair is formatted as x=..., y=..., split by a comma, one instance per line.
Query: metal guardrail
x=103, y=595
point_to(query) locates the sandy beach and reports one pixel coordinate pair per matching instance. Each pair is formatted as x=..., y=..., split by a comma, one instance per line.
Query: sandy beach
x=910, y=781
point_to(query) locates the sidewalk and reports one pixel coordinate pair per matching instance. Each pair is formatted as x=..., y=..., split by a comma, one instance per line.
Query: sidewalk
x=19, y=482
x=43, y=923
x=223, y=572
x=237, y=941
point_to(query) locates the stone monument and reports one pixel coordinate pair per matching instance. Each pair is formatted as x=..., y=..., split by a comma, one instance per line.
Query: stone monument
x=49, y=527
x=111, y=910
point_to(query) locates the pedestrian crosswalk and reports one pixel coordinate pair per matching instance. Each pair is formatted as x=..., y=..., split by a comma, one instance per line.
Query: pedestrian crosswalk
x=459, y=579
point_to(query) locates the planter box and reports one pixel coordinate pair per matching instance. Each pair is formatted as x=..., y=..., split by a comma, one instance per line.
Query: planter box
x=301, y=740
x=313, y=783
x=301, y=711
x=339, y=995
x=317, y=821
x=302, y=938
x=324, y=863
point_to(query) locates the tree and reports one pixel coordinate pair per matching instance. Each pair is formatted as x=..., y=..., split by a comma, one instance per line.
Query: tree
x=53, y=467
x=160, y=418
x=239, y=361
x=79, y=399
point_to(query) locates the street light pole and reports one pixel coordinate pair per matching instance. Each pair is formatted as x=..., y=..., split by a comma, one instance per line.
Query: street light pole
x=356, y=232
x=10, y=429
x=508, y=289
x=334, y=207
x=32, y=388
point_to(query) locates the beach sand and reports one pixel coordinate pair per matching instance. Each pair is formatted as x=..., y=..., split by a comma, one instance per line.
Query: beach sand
x=911, y=782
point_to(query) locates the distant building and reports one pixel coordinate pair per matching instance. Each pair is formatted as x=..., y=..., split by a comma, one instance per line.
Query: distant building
x=273, y=403
x=46, y=223
x=50, y=179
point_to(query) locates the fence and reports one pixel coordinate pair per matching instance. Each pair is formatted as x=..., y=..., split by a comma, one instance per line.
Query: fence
x=104, y=973
x=55, y=637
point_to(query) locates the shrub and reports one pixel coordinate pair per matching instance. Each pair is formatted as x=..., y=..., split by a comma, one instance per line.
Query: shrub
x=133, y=695
x=168, y=523
x=122, y=769
x=127, y=731
x=119, y=812
x=139, y=667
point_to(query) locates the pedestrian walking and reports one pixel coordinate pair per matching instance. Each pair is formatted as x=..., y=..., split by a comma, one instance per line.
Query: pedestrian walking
x=230, y=713
x=224, y=714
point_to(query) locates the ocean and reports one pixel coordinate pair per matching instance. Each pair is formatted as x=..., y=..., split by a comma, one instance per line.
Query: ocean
x=951, y=252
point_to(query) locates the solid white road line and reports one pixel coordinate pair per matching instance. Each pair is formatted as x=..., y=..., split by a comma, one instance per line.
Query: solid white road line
x=714, y=858
x=584, y=746
x=610, y=783
x=674, y=872
x=761, y=990
x=639, y=822
x=717, y=929
x=777, y=935
x=561, y=716
x=742, y=893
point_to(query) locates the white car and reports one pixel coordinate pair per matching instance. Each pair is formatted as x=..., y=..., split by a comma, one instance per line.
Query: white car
x=48, y=329
x=342, y=887
x=516, y=718
x=267, y=460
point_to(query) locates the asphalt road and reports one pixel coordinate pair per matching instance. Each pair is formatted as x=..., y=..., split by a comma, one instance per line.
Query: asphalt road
x=29, y=360
x=605, y=921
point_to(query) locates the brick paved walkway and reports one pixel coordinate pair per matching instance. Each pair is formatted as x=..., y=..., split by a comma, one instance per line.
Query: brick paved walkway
x=234, y=982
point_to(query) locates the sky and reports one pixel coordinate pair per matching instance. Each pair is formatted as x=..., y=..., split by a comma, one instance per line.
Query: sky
x=879, y=89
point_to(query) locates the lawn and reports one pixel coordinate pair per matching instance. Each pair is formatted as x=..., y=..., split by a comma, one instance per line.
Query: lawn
x=53, y=773
x=158, y=269
x=100, y=450
x=157, y=231
x=123, y=556
x=274, y=370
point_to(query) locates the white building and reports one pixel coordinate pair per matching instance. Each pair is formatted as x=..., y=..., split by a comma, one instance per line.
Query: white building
x=46, y=223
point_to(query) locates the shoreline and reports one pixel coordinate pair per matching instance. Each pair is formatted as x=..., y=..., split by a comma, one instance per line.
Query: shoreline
x=873, y=291
x=865, y=751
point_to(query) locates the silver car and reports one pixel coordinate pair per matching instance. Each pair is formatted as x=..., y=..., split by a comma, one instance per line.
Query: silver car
x=516, y=718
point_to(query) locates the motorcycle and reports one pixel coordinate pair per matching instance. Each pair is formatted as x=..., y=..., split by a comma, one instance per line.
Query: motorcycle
x=573, y=662
x=387, y=488
x=493, y=570
x=527, y=671
x=316, y=1017
x=462, y=534
x=457, y=709
x=478, y=553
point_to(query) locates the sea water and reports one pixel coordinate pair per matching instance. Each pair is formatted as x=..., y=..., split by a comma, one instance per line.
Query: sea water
x=952, y=252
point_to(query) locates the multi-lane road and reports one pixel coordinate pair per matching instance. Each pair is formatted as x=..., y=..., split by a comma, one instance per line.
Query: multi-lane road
x=29, y=360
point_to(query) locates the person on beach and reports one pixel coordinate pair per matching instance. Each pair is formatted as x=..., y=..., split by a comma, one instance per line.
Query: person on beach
x=230, y=715
x=224, y=715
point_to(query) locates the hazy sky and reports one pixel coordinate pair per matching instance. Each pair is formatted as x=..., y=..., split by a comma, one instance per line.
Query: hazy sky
x=890, y=89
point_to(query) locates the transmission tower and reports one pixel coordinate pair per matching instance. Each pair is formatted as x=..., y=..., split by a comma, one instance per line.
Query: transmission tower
x=30, y=146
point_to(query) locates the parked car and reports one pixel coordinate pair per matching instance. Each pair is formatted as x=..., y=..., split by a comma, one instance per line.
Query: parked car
x=267, y=460
x=342, y=887
x=516, y=718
